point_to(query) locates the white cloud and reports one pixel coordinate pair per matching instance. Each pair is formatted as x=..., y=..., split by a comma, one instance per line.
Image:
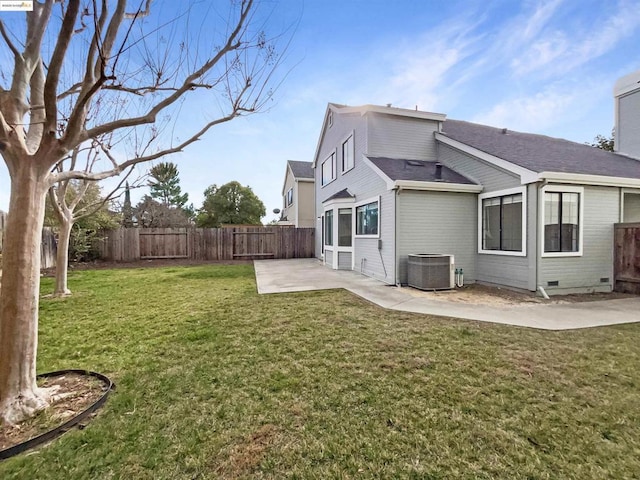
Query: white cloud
x=558, y=104
x=560, y=50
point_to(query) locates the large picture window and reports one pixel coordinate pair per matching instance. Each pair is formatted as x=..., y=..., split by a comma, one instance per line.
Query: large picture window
x=561, y=221
x=328, y=227
x=502, y=223
x=329, y=169
x=344, y=227
x=367, y=219
x=347, y=154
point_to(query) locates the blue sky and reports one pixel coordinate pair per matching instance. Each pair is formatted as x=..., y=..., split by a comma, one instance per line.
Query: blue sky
x=538, y=66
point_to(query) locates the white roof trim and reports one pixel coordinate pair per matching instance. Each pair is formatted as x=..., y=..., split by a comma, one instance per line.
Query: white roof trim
x=402, y=112
x=585, y=179
x=526, y=175
x=627, y=84
x=437, y=186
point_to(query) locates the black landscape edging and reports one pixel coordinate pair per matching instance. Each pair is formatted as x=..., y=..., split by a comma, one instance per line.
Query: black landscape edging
x=56, y=432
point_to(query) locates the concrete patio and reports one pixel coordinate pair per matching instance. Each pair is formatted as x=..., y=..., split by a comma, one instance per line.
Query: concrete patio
x=299, y=275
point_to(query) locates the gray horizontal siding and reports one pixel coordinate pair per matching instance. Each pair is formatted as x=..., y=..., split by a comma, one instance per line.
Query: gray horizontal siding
x=364, y=183
x=628, y=128
x=437, y=222
x=328, y=257
x=503, y=270
x=374, y=262
x=490, y=177
x=400, y=137
x=631, y=207
x=344, y=260
x=601, y=211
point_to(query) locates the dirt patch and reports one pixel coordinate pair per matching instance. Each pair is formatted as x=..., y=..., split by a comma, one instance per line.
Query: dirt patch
x=477, y=294
x=246, y=456
x=164, y=262
x=74, y=395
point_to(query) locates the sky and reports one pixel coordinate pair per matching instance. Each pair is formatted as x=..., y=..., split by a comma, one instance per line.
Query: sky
x=544, y=67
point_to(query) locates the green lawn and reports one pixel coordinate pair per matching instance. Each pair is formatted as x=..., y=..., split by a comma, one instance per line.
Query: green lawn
x=214, y=381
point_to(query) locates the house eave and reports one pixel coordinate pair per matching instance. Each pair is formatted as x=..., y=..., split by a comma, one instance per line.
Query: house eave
x=586, y=179
x=436, y=186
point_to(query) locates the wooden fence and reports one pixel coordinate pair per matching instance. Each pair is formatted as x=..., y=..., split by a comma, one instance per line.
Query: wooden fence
x=627, y=257
x=229, y=243
x=47, y=247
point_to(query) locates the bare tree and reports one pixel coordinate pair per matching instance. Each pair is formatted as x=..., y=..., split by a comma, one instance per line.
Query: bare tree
x=70, y=56
x=72, y=200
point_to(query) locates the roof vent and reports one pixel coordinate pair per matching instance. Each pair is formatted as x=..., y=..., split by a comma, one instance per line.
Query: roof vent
x=504, y=131
x=438, y=171
x=388, y=105
x=414, y=163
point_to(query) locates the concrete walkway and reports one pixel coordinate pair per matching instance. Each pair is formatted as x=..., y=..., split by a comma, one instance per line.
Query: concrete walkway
x=299, y=275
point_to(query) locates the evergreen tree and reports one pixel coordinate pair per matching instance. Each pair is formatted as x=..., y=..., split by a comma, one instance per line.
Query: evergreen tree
x=127, y=209
x=230, y=204
x=165, y=185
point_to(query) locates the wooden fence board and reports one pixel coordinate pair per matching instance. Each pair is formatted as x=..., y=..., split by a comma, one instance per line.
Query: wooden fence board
x=627, y=257
x=228, y=243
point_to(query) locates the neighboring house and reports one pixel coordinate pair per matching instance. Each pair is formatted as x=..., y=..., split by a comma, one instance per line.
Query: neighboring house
x=515, y=209
x=298, y=207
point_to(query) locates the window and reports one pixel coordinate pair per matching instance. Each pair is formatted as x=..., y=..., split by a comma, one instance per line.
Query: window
x=344, y=227
x=502, y=223
x=290, y=197
x=562, y=221
x=328, y=227
x=367, y=219
x=347, y=154
x=329, y=169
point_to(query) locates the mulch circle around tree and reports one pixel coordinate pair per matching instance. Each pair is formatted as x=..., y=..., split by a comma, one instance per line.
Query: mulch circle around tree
x=80, y=394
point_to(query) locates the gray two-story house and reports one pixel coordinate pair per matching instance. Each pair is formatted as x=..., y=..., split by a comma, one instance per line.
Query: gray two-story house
x=514, y=209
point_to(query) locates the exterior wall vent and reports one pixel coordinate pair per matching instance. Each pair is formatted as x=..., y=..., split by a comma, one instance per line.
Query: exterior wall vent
x=553, y=283
x=428, y=271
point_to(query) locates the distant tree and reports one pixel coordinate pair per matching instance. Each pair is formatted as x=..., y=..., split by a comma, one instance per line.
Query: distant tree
x=165, y=185
x=230, y=204
x=603, y=143
x=127, y=209
x=149, y=213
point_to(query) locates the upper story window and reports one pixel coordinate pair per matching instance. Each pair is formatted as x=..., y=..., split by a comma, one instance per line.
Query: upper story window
x=329, y=169
x=562, y=217
x=502, y=222
x=367, y=219
x=347, y=154
x=289, y=200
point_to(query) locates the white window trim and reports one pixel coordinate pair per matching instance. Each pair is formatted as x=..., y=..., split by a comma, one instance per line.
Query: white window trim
x=632, y=191
x=334, y=168
x=353, y=152
x=355, y=213
x=501, y=193
x=290, y=203
x=562, y=189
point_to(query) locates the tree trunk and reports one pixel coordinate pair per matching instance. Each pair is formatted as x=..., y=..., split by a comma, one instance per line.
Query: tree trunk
x=62, y=258
x=20, y=397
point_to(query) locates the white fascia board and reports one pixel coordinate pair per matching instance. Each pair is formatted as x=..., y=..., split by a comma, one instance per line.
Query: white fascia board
x=526, y=175
x=627, y=84
x=330, y=107
x=307, y=180
x=390, y=183
x=286, y=174
x=402, y=112
x=437, y=186
x=585, y=179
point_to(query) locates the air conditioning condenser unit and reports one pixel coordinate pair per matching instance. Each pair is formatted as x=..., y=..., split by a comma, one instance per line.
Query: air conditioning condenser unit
x=428, y=271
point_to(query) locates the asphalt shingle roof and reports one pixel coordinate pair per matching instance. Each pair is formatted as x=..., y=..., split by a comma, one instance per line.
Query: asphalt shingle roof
x=301, y=169
x=344, y=193
x=417, y=170
x=540, y=153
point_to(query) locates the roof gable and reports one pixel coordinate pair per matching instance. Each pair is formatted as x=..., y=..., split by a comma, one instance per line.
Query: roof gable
x=300, y=169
